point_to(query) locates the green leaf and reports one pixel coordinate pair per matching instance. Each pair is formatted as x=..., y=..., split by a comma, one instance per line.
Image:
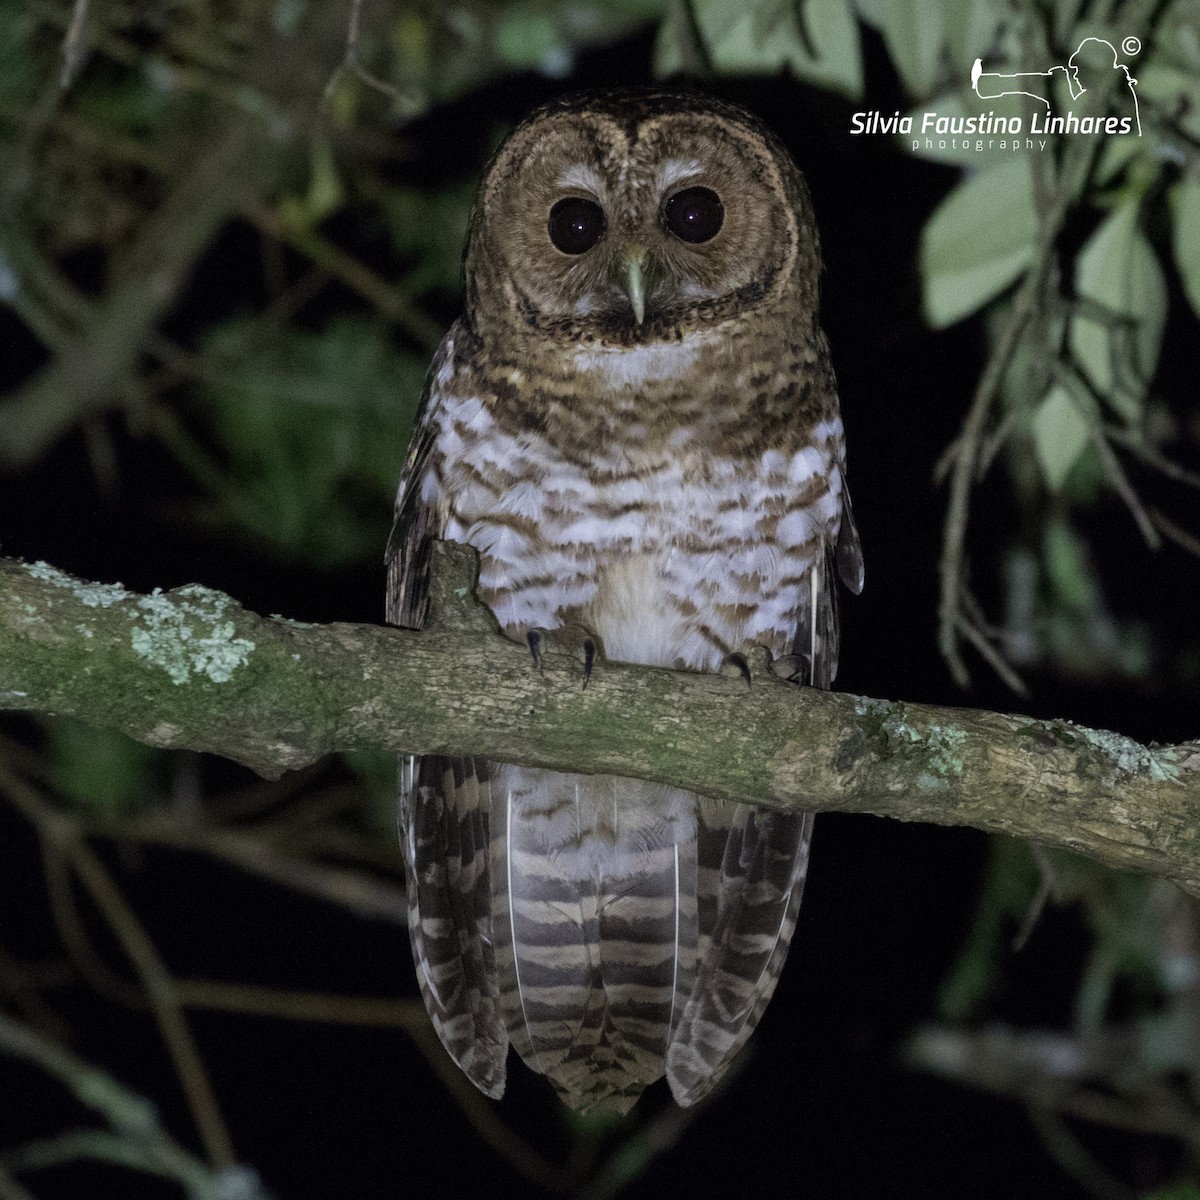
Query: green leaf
x=1116, y=340
x=1185, y=239
x=105, y=771
x=912, y=30
x=816, y=39
x=1183, y=1189
x=970, y=29
x=1061, y=433
x=526, y=36
x=1068, y=568
x=313, y=427
x=978, y=241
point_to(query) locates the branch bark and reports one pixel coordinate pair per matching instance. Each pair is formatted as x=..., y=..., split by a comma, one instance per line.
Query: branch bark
x=191, y=668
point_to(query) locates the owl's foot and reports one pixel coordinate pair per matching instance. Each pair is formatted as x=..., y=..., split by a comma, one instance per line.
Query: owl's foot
x=581, y=644
x=756, y=663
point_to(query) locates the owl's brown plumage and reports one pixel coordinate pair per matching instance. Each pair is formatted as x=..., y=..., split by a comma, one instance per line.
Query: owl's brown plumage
x=636, y=424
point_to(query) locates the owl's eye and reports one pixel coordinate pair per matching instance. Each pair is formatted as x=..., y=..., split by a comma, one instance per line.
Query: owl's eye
x=695, y=214
x=576, y=224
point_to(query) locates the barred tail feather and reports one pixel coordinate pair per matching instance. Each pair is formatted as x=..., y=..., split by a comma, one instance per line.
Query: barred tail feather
x=444, y=812
x=756, y=902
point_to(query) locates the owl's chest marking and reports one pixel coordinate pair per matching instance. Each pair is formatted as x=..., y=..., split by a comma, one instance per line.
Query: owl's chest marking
x=673, y=557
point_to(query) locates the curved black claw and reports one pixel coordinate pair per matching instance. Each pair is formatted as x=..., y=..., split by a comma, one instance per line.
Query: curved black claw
x=735, y=666
x=580, y=643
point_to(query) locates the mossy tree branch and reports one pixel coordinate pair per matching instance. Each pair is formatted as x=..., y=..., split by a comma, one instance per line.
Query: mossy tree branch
x=191, y=668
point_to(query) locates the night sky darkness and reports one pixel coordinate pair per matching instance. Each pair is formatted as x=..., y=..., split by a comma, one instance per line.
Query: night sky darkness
x=821, y=1108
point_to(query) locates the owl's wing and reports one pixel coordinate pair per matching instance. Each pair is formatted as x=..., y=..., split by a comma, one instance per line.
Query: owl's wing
x=420, y=513
x=751, y=866
x=444, y=806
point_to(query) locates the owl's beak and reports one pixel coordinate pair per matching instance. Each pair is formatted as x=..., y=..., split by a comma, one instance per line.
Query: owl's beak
x=634, y=281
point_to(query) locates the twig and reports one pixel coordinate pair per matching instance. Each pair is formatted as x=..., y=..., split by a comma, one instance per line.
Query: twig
x=1175, y=533
x=1120, y=481
x=129, y=1115
x=975, y=636
x=1066, y=1150
x=1163, y=465
x=10, y=1189
x=406, y=104
x=137, y=945
x=1052, y=214
x=1037, y=905
x=390, y=301
x=91, y=966
x=384, y=1012
x=72, y=46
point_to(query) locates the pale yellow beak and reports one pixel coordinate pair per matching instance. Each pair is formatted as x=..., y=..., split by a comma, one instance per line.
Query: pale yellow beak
x=635, y=282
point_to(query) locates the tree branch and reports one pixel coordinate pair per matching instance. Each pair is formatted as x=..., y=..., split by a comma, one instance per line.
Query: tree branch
x=191, y=668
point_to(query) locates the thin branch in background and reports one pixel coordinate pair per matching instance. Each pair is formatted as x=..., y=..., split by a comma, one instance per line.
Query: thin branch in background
x=144, y=1144
x=10, y=1189
x=991, y=655
x=1115, y=474
x=1163, y=465
x=72, y=44
x=22, y=983
x=56, y=827
x=1047, y=886
x=391, y=301
x=1175, y=533
x=1053, y=209
x=406, y=104
x=1067, y=1150
x=65, y=913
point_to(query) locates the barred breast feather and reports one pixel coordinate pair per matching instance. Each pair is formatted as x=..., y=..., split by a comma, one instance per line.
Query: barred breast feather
x=611, y=930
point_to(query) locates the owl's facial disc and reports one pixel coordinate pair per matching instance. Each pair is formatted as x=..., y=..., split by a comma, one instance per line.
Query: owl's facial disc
x=599, y=227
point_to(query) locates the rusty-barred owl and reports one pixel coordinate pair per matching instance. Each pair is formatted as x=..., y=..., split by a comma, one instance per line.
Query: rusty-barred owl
x=635, y=423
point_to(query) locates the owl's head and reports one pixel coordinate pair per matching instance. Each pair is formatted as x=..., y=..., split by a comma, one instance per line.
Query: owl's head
x=632, y=216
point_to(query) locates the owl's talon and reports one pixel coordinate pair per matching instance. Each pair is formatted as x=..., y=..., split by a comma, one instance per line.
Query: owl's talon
x=534, y=639
x=567, y=639
x=791, y=668
x=735, y=666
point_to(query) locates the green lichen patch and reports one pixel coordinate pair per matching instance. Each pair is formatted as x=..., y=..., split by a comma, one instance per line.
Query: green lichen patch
x=1130, y=757
x=186, y=633
x=94, y=595
x=938, y=747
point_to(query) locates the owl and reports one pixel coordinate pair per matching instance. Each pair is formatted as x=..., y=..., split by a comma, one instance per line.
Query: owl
x=635, y=423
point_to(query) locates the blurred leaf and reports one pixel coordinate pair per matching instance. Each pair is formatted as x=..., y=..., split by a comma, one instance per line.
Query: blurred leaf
x=1183, y=1189
x=1009, y=887
x=1116, y=345
x=1185, y=241
x=526, y=36
x=314, y=426
x=325, y=193
x=1174, y=90
x=978, y=241
x=1060, y=434
x=103, y=770
x=912, y=30
x=970, y=28
x=817, y=39
x=1068, y=569
x=378, y=771
x=432, y=227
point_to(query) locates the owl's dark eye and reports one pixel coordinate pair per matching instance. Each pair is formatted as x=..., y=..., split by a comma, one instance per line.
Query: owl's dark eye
x=695, y=214
x=576, y=224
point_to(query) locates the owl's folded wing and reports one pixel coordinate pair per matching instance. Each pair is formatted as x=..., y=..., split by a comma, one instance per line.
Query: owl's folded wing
x=444, y=806
x=752, y=864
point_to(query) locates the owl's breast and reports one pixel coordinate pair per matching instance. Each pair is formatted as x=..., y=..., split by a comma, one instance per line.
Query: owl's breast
x=673, y=559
